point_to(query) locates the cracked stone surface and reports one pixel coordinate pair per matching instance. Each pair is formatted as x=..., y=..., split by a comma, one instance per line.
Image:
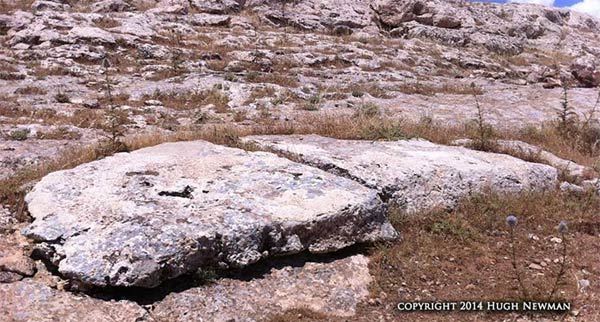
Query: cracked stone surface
x=137, y=219
x=415, y=174
x=571, y=168
x=332, y=288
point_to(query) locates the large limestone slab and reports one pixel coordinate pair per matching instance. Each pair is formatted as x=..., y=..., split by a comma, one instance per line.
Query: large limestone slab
x=333, y=289
x=28, y=301
x=136, y=219
x=416, y=174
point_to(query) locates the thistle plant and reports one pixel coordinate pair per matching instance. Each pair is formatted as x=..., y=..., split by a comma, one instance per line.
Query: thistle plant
x=566, y=115
x=483, y=131
x=563, y=229
x=512, y=222
x=114, y=122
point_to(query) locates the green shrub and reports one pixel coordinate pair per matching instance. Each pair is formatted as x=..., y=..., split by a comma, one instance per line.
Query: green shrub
x=61, y=97
x=19, y=134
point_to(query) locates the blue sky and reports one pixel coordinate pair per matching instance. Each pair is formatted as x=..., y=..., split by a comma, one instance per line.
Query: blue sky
x=591, y=7
x=558, y=3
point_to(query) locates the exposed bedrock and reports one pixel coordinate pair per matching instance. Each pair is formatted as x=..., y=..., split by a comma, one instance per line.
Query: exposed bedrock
x=415, y=174
x=137, y=219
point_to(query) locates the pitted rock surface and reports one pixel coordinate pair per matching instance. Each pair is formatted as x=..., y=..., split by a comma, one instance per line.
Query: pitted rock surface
x=28, y=301
x=415, y=174
x=137, y=219
x=333, y=289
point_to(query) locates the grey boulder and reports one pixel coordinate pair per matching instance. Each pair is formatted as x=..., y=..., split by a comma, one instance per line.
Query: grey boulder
x=137, y=219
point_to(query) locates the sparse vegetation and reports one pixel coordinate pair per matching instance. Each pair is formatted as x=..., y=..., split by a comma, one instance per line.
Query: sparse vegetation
x=484, y=133
x=60, y=133
x=115, y=118
x=272, y=78
x=368, y=110
x=582, y=135
x=19, y=134
x=260, y=93
x=566, y=115
x=10, y=6
x=206, y=276
x=466, y=250
x=216, y=96
x=61, y=97
x=31, y=90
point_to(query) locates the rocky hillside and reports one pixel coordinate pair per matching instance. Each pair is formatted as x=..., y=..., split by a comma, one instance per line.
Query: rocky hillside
x=180, y=64
x=351, y=129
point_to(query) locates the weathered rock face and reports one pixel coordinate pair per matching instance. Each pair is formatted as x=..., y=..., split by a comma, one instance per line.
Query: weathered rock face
x=415, y=174
x=28, y=300
x=7, y=220
x=332, y=288
x=15, y=155
x=444, y=46
x=584, y=70
x=315, y=15
x=571, y=168
x=393, y=13
x=15, y=263
x=140, y=218
x=218, y=6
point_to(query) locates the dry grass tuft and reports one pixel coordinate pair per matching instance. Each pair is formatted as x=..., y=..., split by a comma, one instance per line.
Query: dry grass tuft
x=107, y=22
x=11, y=6
x=548, y=137
x=30, y=90
x=469, y=247
x=195, y=99
x=272, y=78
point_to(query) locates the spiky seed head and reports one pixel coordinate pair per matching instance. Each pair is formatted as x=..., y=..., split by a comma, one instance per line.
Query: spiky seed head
x=563, y=228
x=512, y=221
x=106, y=63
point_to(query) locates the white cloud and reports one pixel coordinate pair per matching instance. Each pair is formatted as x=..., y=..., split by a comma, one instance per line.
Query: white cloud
x=544, y=2
x=591, y=7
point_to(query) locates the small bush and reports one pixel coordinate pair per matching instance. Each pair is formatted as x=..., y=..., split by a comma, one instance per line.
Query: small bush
x=367, y=109
x=315, y=99
x=584, y=134
x=310, y=107
x=205, y=276
x=61, y=97
x=19, y=135
x=201, y=116
x=357, y=94
x=484, y=132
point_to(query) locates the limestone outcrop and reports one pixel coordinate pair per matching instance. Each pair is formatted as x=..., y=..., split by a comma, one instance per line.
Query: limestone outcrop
x=416, y=175
x=137, y=219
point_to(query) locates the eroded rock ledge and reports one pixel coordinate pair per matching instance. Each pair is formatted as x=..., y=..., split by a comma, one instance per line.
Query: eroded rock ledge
x=333, y=288
x=30, y=300
x=137, y=219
